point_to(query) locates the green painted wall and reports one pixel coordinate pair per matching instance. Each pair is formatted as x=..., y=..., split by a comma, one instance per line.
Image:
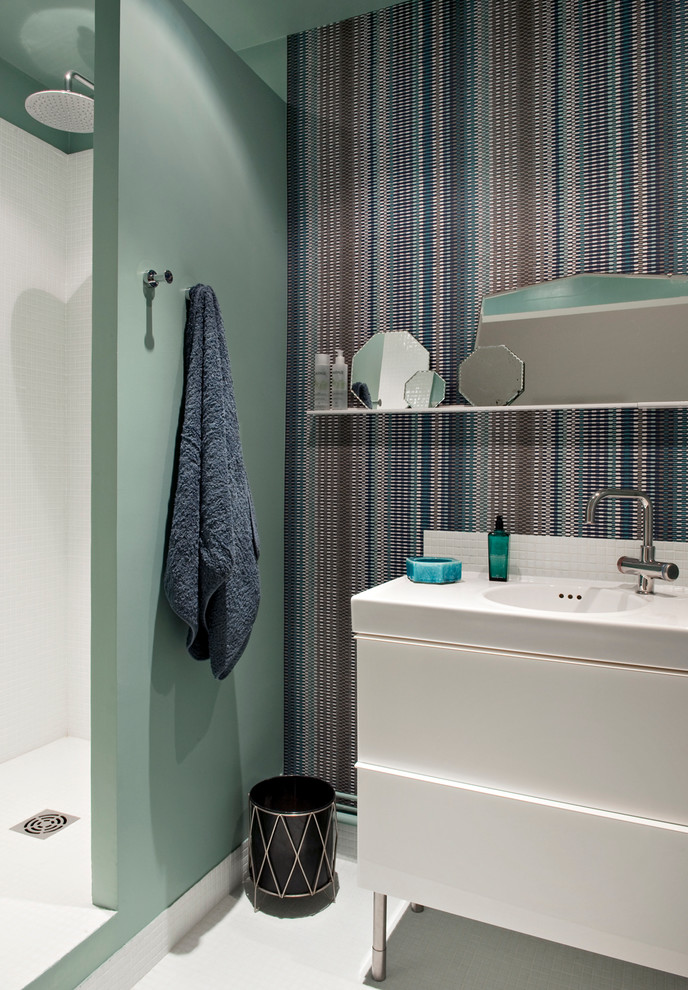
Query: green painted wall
x=189, y=175
x=269, y=61
x=245, y=23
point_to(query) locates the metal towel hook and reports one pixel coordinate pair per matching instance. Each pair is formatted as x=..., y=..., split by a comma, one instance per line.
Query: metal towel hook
x=152, y=279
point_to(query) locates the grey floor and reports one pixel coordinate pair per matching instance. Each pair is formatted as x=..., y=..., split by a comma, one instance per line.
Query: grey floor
x=437, y=951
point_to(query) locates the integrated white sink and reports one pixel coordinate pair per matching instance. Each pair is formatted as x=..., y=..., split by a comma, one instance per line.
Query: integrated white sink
x=608, y=622
x=567, y=597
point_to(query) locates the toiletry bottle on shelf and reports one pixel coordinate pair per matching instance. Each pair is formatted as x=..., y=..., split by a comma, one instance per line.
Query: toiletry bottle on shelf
x=321, y=382
x=340, y=382
x=498, y=551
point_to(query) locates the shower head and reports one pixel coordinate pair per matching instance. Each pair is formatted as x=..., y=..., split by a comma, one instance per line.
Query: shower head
x=62, y=108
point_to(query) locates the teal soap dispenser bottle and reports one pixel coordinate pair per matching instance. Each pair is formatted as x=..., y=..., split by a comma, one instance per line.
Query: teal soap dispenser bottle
x=498, y=551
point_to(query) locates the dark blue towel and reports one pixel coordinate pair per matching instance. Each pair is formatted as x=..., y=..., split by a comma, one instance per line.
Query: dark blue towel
x=211, y=575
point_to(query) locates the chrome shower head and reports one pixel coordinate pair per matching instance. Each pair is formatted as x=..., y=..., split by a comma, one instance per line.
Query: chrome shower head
x=63, y=109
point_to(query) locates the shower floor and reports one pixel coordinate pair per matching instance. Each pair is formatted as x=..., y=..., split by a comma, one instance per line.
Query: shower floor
x=45, y=884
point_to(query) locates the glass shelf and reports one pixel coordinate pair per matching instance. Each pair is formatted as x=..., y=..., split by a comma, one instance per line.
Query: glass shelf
x=463, y=410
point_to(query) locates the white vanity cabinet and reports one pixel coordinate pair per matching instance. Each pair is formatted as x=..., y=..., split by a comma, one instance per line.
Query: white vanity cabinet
x=546, y=794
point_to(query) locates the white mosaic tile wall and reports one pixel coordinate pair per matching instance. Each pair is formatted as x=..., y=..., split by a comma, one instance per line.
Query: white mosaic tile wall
x=553, y=556
x=79, y=230
x=36, y=377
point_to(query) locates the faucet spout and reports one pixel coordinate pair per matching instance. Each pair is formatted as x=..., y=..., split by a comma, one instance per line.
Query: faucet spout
x=624, y=493
x=646, y=567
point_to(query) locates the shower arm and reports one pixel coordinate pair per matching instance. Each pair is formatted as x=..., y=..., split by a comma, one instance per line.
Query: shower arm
x=71, y=75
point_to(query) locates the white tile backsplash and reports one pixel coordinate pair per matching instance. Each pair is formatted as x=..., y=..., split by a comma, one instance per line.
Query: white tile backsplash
x=45, y=264
x=553, y=556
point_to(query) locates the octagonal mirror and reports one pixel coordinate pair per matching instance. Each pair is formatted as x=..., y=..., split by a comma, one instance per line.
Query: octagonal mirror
x=384, y=364
x=424, y=390
x=491, y=376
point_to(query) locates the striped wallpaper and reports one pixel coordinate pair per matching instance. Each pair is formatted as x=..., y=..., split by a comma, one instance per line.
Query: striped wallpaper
x=439, y=150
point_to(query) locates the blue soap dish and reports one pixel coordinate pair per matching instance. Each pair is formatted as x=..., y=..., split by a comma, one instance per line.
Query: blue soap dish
x=433, y=570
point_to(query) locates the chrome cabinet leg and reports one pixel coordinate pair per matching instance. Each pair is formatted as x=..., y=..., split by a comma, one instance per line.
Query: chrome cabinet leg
x=379, y=967
x=417, y=907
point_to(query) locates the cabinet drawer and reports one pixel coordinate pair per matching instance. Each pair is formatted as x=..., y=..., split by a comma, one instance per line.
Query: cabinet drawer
x=599, y=735
x=607, y=885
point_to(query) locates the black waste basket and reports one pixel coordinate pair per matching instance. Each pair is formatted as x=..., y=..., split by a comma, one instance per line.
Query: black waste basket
x=292, y=836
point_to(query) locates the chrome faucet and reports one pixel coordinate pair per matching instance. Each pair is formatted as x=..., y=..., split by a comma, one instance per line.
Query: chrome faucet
x=646, y=567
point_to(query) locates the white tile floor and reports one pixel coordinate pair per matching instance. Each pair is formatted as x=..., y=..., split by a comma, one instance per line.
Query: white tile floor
x=309, y=944
x=305, y=944
x=45, y=884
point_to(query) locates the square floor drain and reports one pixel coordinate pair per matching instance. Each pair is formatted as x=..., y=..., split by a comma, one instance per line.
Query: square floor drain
x=44, y=824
